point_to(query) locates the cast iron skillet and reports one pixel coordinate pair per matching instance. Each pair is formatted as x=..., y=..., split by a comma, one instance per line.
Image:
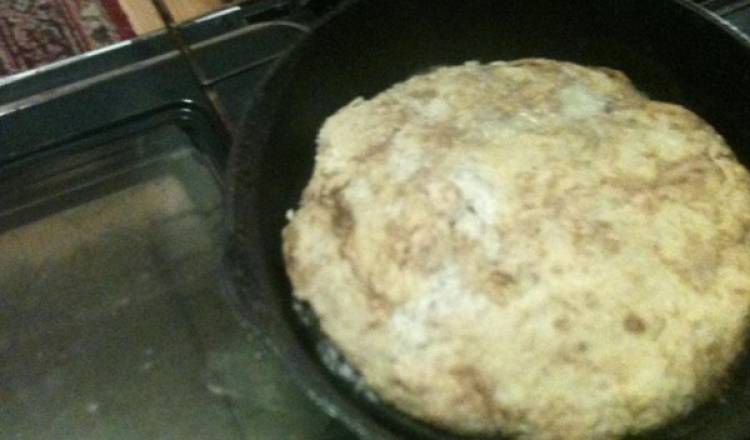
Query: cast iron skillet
x=671, y=50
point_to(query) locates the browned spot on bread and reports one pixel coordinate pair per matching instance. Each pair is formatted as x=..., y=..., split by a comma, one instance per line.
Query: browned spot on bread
x=498, y=285
x=634, y=324
x=380, y=306
x=401, y=383
x=476, y=386
x=377, y=148
x=697, y=273
x=501, y=278
x=590, y=300
x=568, y=357
x=713, y=352
x=562, y=324
x=342, y=218
x=611, y=245
x=424, y=94
x=635, y=277
x=412, y=246
x=441, y=134
x=582, y=347
x=290, y=262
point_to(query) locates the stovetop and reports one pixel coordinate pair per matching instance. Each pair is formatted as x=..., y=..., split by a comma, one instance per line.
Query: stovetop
x=57, y=118
x=112, y=322
x=112, y=230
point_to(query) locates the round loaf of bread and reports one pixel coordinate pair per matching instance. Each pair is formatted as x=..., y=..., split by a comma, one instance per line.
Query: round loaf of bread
x=529, y=247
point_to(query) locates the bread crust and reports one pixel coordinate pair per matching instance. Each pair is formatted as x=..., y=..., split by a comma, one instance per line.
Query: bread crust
x=528, y=247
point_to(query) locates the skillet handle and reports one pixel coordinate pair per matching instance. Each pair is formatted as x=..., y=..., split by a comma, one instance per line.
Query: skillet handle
x=736, y=11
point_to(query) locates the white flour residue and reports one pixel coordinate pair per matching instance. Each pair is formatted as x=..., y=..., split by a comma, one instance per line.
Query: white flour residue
x=448, y=297
x=579, y=101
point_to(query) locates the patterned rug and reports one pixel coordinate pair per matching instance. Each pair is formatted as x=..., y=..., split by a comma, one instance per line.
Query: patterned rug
x=37, y=32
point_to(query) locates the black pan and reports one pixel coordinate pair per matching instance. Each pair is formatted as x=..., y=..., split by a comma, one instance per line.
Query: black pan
x=671, y=49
